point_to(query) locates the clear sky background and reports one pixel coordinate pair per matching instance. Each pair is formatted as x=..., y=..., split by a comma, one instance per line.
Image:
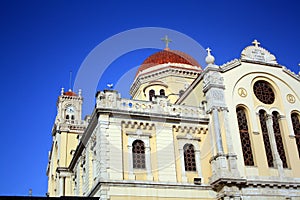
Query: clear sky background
x=42, y=41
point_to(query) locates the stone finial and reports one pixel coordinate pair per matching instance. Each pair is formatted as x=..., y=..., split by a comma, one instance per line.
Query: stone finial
x=79, y=92
x=209, y=58
x=62, y=91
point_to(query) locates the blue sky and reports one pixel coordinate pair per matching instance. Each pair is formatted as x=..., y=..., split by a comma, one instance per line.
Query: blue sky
x=42, y=41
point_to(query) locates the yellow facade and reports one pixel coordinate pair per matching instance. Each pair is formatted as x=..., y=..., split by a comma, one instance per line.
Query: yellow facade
x=183, y=145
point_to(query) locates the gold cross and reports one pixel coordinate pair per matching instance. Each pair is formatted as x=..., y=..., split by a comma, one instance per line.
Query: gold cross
x=167, y=41
x=256, y=43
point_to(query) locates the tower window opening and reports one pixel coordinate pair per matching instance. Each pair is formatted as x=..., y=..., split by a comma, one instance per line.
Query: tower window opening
x=162, y=92
x=67, y=117
x=181, y=93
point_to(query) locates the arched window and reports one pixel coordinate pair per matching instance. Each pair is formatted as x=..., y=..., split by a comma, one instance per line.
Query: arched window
x=67, y=117
x=151, y=94
x=278, y=138
x=189, y=157
x=72, y=117
x=264, y=129
x=162, y=92
x=296, y=127
x=138, y=154
x=245, y=137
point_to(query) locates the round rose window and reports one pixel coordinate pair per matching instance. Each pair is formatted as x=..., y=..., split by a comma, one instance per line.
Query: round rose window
x=264, y=92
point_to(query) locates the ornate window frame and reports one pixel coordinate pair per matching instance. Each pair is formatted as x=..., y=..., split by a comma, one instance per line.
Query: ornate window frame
x=182, y=141
x=144, y=137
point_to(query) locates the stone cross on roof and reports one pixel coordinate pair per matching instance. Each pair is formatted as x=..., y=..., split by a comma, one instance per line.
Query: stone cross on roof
x=208, y=50
x=167, y=41
x=256, y=43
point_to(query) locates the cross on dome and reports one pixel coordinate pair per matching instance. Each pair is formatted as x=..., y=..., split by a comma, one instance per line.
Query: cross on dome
x=167, y=41
x=256, y=43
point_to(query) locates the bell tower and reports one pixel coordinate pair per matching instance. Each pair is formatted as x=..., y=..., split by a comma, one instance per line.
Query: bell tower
x=69, y=107
x=66, y=131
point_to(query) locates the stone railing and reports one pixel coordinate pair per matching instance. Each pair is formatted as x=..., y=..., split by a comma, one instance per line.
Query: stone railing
x=160, y=106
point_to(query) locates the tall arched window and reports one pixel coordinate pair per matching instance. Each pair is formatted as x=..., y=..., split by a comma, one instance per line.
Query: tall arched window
x=278, y=138
x=151, y=94
x=189, y=157
x=296, y=126
x=162, y=92
x=245, y=137
x=264, y=129
x=67, y=117
x=138, y=154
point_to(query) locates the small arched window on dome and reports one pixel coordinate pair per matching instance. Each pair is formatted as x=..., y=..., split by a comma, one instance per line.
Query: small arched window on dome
x=162, y=92
x=181, y=93
x=151, y=94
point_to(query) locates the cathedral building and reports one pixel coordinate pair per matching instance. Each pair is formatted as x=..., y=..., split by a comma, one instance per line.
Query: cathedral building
x=189, y=132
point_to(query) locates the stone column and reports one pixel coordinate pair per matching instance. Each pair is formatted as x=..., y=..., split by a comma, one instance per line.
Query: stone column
x=102, y=149
x=61, y=186
x=277, y=161
x=148, y=163
x=130, y=163
x=198, y=163
x=217, y=131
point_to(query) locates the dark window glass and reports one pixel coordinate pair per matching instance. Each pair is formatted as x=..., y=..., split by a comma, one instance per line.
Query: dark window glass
x=264, y=92
x=245, y=137
x=162, y=92
x=138, y=154
x=189, y=157
x=296, y=127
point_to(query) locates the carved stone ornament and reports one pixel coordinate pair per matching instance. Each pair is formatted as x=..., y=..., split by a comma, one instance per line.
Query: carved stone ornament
x=242, y=92
x=290, y=98
x=258, y=54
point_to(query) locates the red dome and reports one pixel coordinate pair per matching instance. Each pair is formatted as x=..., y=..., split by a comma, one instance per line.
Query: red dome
x=70, y=93
x=168, y=56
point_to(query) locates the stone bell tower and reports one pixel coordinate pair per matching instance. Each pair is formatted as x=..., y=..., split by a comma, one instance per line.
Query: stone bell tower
x=66, y=132
x=225, y=174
